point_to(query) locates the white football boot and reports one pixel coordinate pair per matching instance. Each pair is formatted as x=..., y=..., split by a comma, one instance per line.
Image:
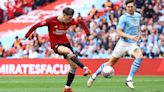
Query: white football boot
x=90, y=82
x=129, y=83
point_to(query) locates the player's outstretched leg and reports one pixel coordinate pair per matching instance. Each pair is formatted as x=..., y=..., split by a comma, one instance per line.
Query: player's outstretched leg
x=74, y=58
x=134, y=68
x=93, y=77
x=110, y=62
x=70, y=56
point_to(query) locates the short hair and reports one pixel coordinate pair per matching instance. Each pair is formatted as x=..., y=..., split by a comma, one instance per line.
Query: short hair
x=129, y=1
x=16, y=37
x=68, y=11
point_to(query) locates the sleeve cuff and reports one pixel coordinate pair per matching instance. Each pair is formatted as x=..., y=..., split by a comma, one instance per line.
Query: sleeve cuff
x=26, y=36
x=88, y=34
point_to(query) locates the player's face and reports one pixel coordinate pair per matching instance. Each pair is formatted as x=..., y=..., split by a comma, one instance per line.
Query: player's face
x=67, y=18
x=130, y=7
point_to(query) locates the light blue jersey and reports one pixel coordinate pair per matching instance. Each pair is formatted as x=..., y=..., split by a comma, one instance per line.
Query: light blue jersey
x=130, y=25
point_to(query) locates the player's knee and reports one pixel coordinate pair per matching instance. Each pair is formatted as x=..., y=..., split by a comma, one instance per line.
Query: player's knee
x=70, y=54
x=73, y=70
x=140, y=56
x=67, y=52
x=74, y=67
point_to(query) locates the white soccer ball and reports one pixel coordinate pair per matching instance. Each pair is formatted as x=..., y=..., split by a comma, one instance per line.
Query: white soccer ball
x=108, y=71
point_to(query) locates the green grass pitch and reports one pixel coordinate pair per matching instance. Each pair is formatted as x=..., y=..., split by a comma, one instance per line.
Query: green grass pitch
x=56, y=84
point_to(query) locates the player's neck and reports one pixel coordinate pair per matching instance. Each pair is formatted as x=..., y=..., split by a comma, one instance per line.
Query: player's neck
x=59, y=18
x=130, y=13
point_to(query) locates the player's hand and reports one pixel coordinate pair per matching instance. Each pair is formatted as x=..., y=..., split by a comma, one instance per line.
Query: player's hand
x=22, y=38
x=139, y=37
x=135, y=38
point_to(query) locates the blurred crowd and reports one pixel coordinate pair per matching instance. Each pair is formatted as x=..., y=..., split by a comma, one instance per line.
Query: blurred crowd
x=102, y=24
x=15, y=8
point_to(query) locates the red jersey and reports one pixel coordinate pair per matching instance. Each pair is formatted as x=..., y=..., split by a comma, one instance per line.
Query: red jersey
x=57, y=30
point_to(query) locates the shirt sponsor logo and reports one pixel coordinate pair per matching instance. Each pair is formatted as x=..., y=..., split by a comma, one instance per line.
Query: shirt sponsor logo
x=60, y=32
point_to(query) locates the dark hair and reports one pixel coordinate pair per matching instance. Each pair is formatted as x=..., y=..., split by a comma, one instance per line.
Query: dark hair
x=68, y=11
x=16, y=37
x=129, y=1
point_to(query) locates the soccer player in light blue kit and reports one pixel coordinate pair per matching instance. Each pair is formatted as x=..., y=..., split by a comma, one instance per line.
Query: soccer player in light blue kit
x=128, y=29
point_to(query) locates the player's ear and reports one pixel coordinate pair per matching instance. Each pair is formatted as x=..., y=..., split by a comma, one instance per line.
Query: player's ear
x=64, y=14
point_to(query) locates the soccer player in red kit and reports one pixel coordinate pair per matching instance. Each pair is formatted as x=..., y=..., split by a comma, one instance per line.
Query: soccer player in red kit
x=57, y=28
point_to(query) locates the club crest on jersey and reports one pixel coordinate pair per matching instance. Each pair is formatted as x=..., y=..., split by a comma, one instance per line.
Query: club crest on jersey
x=134, y=22
x=137, y=21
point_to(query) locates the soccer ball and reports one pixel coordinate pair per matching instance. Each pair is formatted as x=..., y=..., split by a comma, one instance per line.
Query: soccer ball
x=108, y=72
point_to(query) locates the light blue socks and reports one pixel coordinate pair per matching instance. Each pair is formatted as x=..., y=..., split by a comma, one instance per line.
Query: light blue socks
x=134, y=68
x=99, y=70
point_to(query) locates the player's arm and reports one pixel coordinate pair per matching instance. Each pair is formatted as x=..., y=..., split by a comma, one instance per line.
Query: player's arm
x=35, y=26
x=120, y=28
x=139, y=29
x=83, y=25
x=139, y=33
x=122, y=34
